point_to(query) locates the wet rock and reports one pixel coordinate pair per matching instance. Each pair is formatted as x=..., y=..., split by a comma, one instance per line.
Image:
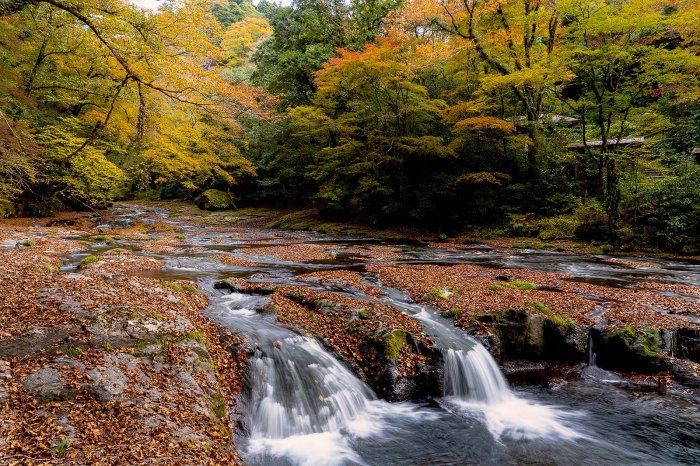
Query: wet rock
x=47, y=384
x=235, y=285
x=685, y=372
x=325, y=306
x=629, y=348
x=522, y=335
x=689, y=344
x=41, y=340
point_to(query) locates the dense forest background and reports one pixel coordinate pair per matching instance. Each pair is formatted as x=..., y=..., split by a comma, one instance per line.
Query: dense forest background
x=550, y=118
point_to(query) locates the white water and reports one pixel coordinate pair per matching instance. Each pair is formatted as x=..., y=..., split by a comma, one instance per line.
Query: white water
x=473, y=375
x=474, y=385
x=301, y=389
x=306, y=406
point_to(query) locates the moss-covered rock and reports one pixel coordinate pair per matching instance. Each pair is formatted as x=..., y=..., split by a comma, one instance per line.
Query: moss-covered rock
x=527, y=334
x=630, y=348
x=214, y=199
x=394, y=342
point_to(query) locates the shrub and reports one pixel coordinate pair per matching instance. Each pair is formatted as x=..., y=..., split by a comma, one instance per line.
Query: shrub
x=592, y=221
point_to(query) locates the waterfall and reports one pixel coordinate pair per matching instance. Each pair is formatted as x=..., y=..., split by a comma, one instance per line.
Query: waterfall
x=473, y=375
x=469, y=372
x=299, y=389
x=591, y=354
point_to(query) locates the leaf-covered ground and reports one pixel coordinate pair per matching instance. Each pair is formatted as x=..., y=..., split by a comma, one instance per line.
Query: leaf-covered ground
x=102, y=367
x=465, y=291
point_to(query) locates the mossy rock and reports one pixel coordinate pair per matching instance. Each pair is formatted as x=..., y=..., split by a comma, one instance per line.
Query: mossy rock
x=214, y=199
x=630, y=348
x=394, y=342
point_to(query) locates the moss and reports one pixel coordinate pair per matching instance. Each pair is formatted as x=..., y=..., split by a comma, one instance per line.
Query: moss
x=90, y=260
x=101, y=238
x=648, y=342
x=555, y=319
x=626, y=334
x=74, y=351
x=455, y=313
x=27, y=243
x=180, y=237
x=539, y=307
x=561, y=321
x=521, y=285
x=179, y=287
x=443, y=293
x=495, y=288
x=394, y=342
x=363, y=314
x=196, y=336
x=218, y=405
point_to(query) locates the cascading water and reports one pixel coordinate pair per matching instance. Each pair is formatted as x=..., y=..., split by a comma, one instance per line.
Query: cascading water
x=306, y=408
x=473, y=375
x=303, y=405
x=298, y=389
x=473, y=382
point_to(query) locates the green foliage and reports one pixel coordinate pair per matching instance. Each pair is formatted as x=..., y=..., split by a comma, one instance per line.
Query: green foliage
x=232, y=11
x=61, y=447
x=213, y=199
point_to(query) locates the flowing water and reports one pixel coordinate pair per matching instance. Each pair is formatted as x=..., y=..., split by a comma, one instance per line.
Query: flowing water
x=303, y=406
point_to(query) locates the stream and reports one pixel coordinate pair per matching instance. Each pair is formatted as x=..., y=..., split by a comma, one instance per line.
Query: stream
x=304, y=406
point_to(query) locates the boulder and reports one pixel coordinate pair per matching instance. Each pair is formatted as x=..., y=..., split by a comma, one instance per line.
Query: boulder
x=47, y=384
x=107, y=384
x=214, y=199
x=41, y=340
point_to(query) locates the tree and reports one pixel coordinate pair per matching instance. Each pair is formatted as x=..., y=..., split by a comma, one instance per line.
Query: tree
x=122, y=72
x=618, y=71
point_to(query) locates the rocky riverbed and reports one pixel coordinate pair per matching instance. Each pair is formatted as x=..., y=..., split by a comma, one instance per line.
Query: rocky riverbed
x=119, y=343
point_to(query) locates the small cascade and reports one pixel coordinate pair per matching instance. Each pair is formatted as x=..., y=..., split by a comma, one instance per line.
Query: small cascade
x=473, y=375
x=591, y=354
x=300, y=389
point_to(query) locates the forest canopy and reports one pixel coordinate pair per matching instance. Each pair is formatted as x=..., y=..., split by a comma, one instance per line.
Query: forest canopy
x=556, y=118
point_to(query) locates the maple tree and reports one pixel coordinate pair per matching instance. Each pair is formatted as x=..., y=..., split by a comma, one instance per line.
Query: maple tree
x=125, y=75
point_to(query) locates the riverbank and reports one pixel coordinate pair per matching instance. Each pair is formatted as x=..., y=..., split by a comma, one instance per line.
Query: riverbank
x=100, y=366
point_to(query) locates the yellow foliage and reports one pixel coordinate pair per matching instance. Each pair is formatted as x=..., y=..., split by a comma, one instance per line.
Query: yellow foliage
x=484, y=123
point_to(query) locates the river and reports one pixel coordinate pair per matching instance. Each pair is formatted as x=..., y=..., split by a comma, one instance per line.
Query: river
x=304, y=406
